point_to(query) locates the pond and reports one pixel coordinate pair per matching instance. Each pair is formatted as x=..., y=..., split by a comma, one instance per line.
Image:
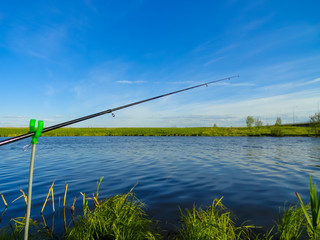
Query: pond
x=255, y=175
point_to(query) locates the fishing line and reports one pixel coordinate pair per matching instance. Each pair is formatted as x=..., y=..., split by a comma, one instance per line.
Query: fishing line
x=26, y=147
x=60, y=125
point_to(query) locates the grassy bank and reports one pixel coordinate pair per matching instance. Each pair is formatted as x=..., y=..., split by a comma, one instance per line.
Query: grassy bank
x=123, y=217
x=193, y=131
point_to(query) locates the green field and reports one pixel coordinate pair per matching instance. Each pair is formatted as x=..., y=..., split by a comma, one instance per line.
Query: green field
x=193, y=131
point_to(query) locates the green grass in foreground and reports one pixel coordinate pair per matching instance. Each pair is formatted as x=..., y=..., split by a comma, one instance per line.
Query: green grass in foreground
x=193, y=131
x=122, y=217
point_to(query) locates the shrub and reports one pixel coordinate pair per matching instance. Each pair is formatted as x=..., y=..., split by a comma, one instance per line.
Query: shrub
x=276, y=132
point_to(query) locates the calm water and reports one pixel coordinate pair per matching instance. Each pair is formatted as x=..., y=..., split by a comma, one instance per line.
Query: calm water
x=256, y=175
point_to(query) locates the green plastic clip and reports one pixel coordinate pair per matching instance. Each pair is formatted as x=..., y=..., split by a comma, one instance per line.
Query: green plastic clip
x=33, y=129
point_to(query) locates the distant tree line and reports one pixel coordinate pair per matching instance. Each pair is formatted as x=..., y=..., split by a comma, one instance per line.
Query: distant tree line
x=314, y=123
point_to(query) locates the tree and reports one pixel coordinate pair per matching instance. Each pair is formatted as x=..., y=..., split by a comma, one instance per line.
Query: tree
x=315, y=122
x=257, y=122
x=276, y=130
x=315, y=119
x=278, y=121
x=249, y=121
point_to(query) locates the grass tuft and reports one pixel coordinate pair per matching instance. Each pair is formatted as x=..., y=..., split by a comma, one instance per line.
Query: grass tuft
x=291, y=224
x=118, y=217
x=212, y=223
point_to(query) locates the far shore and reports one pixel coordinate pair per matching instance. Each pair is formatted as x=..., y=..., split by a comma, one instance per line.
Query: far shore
x=276, y=131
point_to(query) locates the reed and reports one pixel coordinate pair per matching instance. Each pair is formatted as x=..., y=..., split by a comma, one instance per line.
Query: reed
x=2, y=214
x=23, y=195
x=64, y=208
x=74, y=202
x=4, y=200
x=85, y=204
x=45, y=202
x=65, y=195
x=313, y=220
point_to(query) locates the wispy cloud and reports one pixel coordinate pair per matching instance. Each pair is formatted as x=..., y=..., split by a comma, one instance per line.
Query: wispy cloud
x=202, y=47
x=213, y=61
x=279, y=37
x=44, y=43
x=290, y=85
x=49, y=120
x=182, y=82
x=313, y=81
x=243, y=84
x=50, y=90
x=58, y=116
x=255, y=24
x=15, y=117
x=38, y=55
x=130, y=82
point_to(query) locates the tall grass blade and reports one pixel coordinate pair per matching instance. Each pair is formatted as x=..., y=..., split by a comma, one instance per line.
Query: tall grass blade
x=303, y=207
x=65, y=195
x=4, y=200
x=45, y=202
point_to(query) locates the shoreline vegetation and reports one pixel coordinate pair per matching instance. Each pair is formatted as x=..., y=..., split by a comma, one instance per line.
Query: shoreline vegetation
x=276, y=131
x=123, y=217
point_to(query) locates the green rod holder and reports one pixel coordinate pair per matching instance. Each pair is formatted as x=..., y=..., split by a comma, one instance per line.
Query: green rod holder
x=34, y=141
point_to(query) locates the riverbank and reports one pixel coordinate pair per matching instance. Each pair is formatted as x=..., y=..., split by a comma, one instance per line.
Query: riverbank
x=192, y=131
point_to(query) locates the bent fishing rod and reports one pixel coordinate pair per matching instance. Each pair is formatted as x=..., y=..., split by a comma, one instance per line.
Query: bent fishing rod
x=60, y=125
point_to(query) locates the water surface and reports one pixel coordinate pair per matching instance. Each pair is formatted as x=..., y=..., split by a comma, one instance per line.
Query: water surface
x=255, y=175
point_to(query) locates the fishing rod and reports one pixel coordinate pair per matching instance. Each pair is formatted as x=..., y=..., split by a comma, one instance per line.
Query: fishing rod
x=60, y=125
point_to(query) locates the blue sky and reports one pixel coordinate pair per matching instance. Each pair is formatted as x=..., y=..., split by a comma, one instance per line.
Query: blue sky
x=65, y=59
